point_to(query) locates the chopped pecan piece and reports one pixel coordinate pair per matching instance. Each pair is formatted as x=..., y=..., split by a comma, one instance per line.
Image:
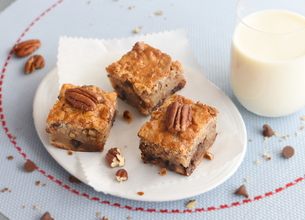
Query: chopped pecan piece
x=114, y=158
x=33, y=63
x=121, y=175
x=178, y=117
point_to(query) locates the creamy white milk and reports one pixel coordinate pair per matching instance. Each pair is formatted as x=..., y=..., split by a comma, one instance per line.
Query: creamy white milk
x=268, y=62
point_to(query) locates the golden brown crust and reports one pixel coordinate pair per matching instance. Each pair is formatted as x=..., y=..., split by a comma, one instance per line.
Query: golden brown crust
x=143, y=67
x=65, y=113
x=181, y=143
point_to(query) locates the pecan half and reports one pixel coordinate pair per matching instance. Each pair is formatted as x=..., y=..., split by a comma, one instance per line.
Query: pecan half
x=82, y=98
x=33, y=63
x=27, y=47
x=178, y=117
x=114, y=158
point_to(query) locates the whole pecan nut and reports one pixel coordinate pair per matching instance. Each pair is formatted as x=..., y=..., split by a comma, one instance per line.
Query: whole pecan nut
x=27, y=47
x=178, y=117
x=82, y=98
x=33, y=63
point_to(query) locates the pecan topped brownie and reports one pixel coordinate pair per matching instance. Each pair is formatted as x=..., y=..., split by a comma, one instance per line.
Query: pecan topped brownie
x=145, y=76
x=81, y=118
x=178, y=135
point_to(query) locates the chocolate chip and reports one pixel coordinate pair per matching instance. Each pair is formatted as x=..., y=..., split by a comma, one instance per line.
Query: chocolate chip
x=10, y=157
x=37, y=183
x=242, y=191
x=29, y=166
x=46, y=216
x=127, y=116
x=73, y=179
x=267, y=131
x=287, y=152
x=75, y=143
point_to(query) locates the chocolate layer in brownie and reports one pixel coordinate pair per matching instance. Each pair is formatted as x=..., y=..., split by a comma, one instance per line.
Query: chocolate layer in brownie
x=198, y=155
x=126, y=92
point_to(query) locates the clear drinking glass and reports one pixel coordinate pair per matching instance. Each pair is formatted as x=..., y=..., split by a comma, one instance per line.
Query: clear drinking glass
x=268, y=56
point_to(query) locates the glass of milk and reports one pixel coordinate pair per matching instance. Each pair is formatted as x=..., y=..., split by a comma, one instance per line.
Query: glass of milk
x=268, y=56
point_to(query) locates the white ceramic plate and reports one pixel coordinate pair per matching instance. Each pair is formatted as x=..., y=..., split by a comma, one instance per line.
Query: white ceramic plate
x=229, y=148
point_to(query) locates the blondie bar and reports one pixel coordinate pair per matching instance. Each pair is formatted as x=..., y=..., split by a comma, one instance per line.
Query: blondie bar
x=145, y=76
x=81, y=118
x=178, y=135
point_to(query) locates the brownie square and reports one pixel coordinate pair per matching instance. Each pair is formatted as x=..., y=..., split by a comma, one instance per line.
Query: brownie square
x=145, y=76
x=178, y=135
x=81, y=118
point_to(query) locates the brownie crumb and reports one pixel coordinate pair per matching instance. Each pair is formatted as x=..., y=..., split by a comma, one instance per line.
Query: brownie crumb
x=267, y=131
x=104, y=218
x=266, y=156
x=137, y=30
x=287, y=152
x=46, y=216
x=242, y=191
x=70, y=152
x=73, y=179
x=163, y=171
x=158, y=13
x=29, y=166
x=10, y=157
x=209, y=156
x=127, y=116
x=6, y=189
x=191, y=204
x=35, y=207
x=140, y=193
x=98, y=214
x=37, y=183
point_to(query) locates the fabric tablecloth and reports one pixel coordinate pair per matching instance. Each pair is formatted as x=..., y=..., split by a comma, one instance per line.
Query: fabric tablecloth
x=276, y=187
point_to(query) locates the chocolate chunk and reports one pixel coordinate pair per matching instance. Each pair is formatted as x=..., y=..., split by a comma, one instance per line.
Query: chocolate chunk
x=29, y=166
x=37, y=183
x=242, y=191
x=46, y=216
x=127, y=116
x=10, y=157
x=287, y=152
x=5, y=190
x=75, y=143
x=267, y=131
x=73, y=179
